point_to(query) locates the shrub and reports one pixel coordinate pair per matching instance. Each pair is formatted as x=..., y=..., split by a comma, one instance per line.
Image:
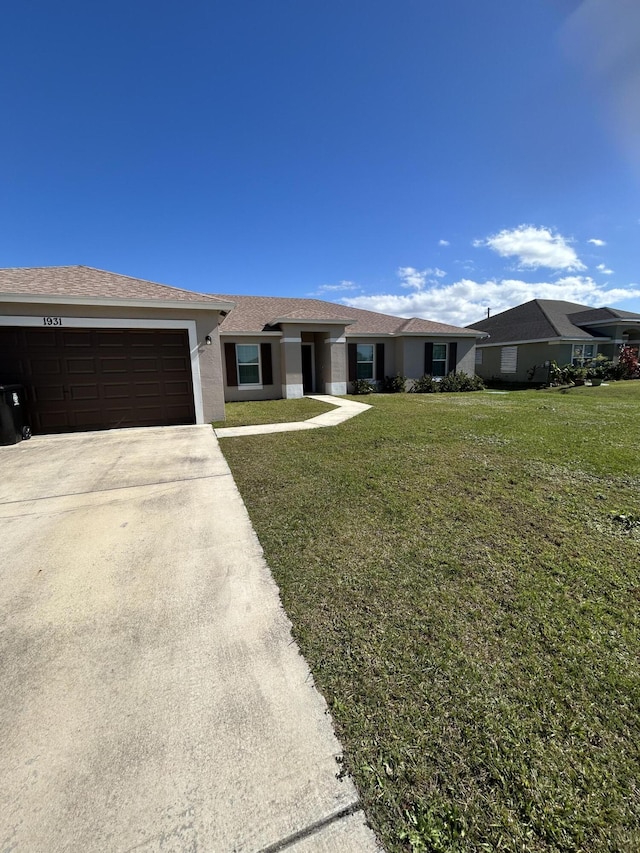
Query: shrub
x=599, y=368
x=425, y=385
x=394, y=384
x=629, y=359
x=461, y=382
x=559, y=375
x=363, y=386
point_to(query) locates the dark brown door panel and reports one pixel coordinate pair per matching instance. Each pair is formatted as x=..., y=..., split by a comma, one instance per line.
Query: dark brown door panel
x=99, y=378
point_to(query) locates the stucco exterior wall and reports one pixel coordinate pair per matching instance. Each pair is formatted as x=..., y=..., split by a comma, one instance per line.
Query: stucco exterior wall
x=206, y=323
x=529, y=355
x=238, y=394
x=413, y=360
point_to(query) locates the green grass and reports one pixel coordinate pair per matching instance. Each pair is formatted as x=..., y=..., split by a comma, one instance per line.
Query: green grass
x=468, y=605
x=271, y=412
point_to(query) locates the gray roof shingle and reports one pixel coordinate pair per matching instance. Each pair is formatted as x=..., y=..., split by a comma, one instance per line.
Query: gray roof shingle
x=87, y=282
x=546, y=319
x=258, y=313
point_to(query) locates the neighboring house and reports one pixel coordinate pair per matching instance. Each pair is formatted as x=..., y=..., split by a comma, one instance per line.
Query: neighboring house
x=99, y=350
x=524, y=340
x=284, y=347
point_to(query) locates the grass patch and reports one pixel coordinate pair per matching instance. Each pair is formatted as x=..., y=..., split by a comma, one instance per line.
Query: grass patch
x=271, y=412
x=468, y=604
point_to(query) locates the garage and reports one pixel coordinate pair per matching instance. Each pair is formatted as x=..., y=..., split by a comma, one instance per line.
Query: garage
x=78, y=379
x=99, y=350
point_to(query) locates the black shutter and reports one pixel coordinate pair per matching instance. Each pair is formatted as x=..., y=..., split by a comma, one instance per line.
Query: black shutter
x=428, y=358
x=232, y=370
x=453, y=357
x=353, y=362
x=267, y=367
x=379, y=361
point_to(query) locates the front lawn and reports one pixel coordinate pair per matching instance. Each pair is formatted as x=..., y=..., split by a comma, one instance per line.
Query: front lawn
x=271, y=412
x=462, y=575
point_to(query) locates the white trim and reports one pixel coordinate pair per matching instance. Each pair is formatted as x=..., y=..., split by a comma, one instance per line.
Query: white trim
x=554, y=342
x=250, y=386
x=335, y=388
x=340, y=340
x=450, y=336
x=52, y=299
x=250, y=334
x=301, y=321
x=127, y=323
x=292, y=392
x=290, y=340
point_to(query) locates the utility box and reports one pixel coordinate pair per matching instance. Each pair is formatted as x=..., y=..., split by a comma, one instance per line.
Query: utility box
x=12, y=426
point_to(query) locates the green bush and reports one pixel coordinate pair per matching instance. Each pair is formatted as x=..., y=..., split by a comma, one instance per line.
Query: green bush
x=559, y=375
x=363, y=386
x=452, y=382
x=461, y=382
x=394, y=384
x=425, y=385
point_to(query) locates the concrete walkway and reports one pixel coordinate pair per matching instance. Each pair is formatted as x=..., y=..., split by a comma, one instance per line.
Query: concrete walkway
x=344, y=410
x=152, y=698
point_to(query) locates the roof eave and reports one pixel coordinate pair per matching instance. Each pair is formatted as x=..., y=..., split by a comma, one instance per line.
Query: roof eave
x=550, y=341
x=613, y=321
x=102, y=301
x=338, y=321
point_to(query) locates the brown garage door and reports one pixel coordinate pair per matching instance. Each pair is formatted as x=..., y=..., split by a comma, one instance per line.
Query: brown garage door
x=78, y=379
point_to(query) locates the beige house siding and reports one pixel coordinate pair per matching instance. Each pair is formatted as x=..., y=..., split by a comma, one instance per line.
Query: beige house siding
x=413, y=355
x=238, y=394
x=528, y=356
x=206, y=323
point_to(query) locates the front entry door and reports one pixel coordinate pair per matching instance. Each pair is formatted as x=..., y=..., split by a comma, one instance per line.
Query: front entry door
x=307, y=368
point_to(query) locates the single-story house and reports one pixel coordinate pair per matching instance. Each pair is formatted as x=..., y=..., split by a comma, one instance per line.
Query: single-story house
x=524, y=340
x=97, y=350
x=287, y=347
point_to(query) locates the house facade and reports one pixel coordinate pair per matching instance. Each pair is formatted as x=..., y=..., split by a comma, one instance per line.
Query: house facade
x=284, y=347
x=523, y=341
x=99, y=350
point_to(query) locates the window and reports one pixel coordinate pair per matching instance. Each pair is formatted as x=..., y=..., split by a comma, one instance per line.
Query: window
x=439, y=366
x=364, y=361
x=248, y=360
x=509, y=360
x=582, y=353
x=478, y=356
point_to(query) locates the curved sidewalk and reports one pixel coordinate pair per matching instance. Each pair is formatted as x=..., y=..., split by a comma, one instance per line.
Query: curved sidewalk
x=344, y=410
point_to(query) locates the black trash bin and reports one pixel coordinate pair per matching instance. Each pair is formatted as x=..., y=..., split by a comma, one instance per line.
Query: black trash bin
x=12, y=426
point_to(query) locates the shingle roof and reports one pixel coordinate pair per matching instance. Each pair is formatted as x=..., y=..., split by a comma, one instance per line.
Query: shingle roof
x=248, y=314
x=546, y=319
x=87, y=282
x=258, y=313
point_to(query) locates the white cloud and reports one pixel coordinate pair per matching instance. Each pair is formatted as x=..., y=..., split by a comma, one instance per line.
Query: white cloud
x=336, y=288
x=466, y=301
x=443, y=243
x=418, y=279
x=603, y=268
x=597, y=242
x=534, y=248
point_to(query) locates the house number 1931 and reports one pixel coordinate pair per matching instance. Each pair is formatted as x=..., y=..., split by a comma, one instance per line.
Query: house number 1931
x=52, y=321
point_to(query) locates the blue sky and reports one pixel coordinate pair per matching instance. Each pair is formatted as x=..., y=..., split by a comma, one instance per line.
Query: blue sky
x=416, y=157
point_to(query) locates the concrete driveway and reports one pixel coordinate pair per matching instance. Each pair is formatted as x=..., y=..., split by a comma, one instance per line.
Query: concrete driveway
x=152, y=699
